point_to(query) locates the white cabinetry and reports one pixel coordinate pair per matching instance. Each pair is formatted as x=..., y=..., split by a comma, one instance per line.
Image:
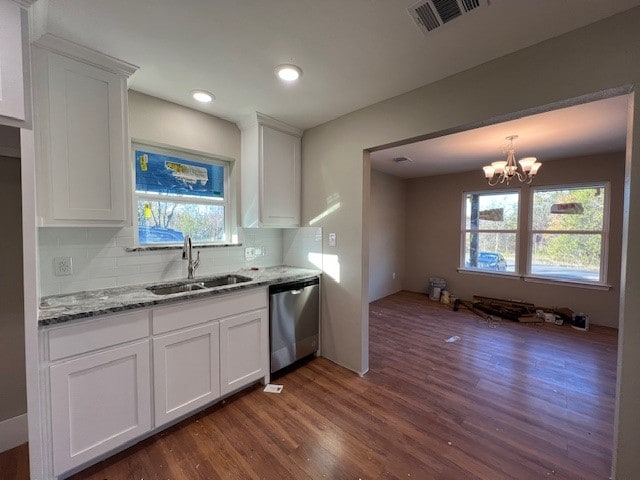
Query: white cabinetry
x=270, y=173
x=244, y=350
x=81, y=120
x=102, y=386
x=186, y=371
x=14, y=71
x=99, y=402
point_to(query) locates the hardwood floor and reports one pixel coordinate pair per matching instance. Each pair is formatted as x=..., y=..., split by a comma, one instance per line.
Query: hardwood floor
x=511, y=402
x=14, y=463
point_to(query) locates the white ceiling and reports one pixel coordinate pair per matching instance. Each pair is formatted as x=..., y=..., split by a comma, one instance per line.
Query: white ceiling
x=589, y=128
x=353, y=52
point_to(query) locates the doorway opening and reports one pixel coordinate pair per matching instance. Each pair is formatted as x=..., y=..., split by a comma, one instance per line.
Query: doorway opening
x=13, y=401
x=417, y=221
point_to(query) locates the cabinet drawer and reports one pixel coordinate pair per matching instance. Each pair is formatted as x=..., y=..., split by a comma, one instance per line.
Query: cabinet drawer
x=193, y=313
x=100, y=333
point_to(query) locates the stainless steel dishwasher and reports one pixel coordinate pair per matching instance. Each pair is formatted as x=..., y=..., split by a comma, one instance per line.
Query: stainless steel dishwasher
x=294, y=313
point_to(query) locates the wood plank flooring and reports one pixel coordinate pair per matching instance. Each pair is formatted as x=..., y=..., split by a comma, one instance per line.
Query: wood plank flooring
x=511, y=402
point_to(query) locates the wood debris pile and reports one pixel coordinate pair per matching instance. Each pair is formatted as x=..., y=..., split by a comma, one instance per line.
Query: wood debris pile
x=515, y=310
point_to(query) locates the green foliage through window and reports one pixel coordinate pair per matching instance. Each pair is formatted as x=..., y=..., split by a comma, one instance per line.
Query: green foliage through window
x=568, y=245
x=489, y=237
x=567, y=239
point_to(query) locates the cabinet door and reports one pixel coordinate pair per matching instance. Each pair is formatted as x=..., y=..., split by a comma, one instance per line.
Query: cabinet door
x=88, y=138
x=12, y=91
x=99, y=402
x=244, y=350
x=186, y=371
x=280, y=175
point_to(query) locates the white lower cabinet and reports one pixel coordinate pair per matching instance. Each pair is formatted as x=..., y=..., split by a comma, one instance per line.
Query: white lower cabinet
x=99, y=402
x=186, y=371
x=244, y=345
x=102, y=384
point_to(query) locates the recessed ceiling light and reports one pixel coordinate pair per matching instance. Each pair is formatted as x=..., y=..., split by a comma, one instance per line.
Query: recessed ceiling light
x=288, y=72
x=203, y=96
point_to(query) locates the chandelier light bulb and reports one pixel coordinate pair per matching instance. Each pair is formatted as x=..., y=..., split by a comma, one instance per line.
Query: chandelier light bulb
x=489, y=171
x=499, y=166
x=526, y=163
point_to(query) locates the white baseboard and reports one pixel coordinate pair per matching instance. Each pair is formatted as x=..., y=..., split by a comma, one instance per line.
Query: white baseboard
x=13, y=432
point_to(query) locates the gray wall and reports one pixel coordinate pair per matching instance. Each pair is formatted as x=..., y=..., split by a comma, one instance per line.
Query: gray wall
x=13, y=396
x=386, y=235
x=599, y=57
x=156, y=120
x=433, y=237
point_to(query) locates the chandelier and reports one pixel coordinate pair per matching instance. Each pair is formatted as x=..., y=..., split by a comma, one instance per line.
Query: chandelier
x=504, y=171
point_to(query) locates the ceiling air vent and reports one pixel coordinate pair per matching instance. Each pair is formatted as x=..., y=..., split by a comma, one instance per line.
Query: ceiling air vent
x=431, y=14
x=402, y=159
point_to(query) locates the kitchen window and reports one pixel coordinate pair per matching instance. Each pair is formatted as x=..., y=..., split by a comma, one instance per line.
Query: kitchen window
x=178, y=193
x=490, y=231
x=569, y=233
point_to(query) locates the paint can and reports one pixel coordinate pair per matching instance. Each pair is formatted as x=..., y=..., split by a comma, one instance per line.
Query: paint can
x=436, y=285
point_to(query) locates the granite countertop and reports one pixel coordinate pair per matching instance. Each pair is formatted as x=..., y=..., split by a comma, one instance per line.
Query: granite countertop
x=63, y=308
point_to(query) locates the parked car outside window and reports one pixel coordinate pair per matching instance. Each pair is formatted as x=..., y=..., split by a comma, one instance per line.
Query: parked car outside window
x=492, y=261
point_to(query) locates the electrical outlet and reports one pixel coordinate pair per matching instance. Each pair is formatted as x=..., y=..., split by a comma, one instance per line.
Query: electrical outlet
x=394, y=275
x=63, y=266
x=249, y=253
x=332, y=239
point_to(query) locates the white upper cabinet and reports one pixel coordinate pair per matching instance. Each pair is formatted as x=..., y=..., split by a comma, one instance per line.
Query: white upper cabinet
x=81, y=124
x=14, y=71
x=270, y=173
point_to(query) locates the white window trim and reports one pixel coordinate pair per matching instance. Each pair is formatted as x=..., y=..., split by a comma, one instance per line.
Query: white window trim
x=601, y=284
x=464, y=230
x=229, y=191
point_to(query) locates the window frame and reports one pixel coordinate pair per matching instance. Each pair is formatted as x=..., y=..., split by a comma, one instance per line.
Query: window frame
x=187, y=154
x=604, y=242
x=464, y=230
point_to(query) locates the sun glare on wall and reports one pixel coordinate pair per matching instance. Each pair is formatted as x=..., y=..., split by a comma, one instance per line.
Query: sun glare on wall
x=329, y=264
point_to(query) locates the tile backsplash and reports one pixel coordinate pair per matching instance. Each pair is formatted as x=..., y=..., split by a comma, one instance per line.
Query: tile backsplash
x=100, y=260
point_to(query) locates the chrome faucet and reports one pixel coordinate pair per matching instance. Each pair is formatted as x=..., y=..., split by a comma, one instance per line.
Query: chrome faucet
x=187, y=254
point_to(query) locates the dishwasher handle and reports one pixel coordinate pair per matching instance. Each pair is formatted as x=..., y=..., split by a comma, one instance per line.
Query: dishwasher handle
x=294, y=287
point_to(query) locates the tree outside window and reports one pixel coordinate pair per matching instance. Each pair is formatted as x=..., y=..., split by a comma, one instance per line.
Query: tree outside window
x=568, y=232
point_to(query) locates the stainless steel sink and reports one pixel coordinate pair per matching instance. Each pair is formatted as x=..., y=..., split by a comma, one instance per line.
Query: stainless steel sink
x=224, y=280
x=175, y=288
x=211, y=282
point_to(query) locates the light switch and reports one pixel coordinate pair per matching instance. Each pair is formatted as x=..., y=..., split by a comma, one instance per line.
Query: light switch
x=332, y=240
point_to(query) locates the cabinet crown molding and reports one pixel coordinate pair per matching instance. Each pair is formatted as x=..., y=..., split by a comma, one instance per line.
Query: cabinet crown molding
x=84, y=54
x=258, y=118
